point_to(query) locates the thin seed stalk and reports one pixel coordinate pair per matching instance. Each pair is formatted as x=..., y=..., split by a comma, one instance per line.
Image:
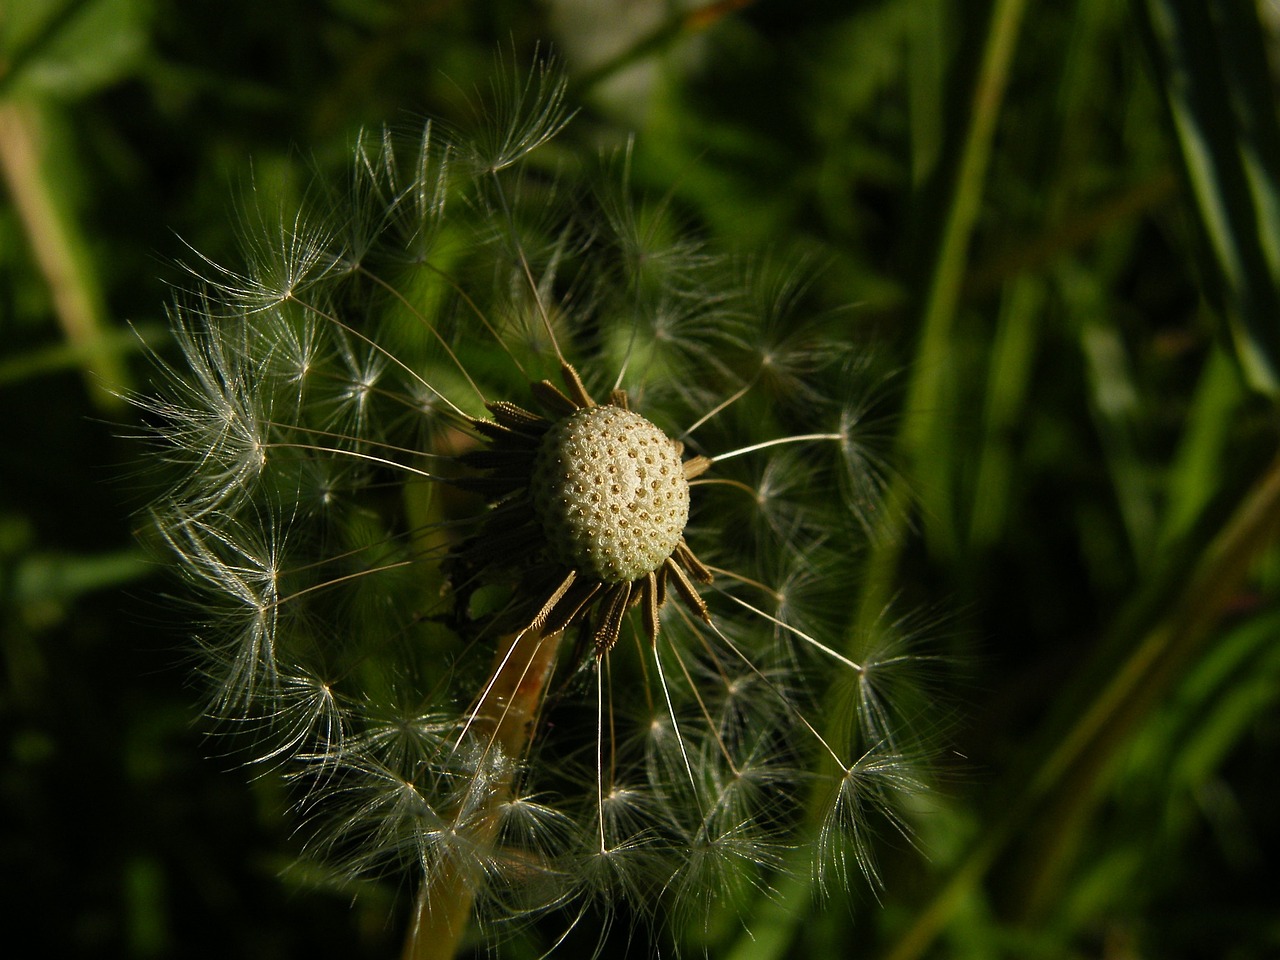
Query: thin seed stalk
x=504, y=719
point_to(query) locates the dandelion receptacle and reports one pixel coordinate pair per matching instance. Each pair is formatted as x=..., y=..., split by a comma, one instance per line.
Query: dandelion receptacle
x=521, y=526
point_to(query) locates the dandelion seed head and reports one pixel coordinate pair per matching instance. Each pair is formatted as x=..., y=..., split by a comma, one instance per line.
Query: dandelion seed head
x=466, y=661
x=610, y=492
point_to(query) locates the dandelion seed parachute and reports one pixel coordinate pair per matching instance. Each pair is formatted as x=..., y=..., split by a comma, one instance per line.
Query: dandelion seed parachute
x=434, y=584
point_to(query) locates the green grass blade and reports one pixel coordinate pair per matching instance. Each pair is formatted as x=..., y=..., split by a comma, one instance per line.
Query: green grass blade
x=925, y=424
x=1211, y=67
x=1195, y=474
x=1063, y=784
x=60, y=246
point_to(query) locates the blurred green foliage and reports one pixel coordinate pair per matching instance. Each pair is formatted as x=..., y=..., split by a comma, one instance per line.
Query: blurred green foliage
x=1059, y=221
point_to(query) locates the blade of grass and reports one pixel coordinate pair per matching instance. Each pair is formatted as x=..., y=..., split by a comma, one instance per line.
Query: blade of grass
x=1195, y=473
x=927, y=57
x=924, y=425
x=1063, y=784
x=59, y=249
x=62, y=356
x=1211, y=67
x=1009, y=375
x=12, y=67
x=783, y=911
x=62, y=578
x=1115, y=402
x=1176, y=774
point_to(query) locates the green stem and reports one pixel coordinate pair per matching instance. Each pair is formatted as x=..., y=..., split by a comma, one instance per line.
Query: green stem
x=927, y=397
x=505, y=719
x=58, y=248
x=924, y=417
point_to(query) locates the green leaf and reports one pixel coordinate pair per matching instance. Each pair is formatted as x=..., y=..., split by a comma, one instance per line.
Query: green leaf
x=69, y=48
x=62, y=578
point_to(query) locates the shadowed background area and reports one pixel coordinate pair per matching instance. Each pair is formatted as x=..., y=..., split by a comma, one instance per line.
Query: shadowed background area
x=1059, y=225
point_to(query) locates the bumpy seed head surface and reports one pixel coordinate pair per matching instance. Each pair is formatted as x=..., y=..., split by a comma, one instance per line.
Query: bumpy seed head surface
x=610, y=492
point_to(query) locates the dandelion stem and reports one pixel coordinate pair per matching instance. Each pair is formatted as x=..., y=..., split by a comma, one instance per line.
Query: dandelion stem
x=504, y=720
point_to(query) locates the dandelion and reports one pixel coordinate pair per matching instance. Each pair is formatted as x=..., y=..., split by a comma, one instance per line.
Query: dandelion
x=523, y=531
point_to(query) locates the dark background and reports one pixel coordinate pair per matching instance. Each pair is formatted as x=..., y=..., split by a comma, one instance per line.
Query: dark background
x=1067, y=316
